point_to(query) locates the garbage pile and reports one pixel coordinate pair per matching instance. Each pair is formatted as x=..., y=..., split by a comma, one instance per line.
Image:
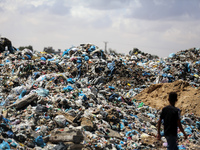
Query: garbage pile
x=85, y=99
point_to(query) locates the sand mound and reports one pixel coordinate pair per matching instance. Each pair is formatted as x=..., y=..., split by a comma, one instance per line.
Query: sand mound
x=156, y=96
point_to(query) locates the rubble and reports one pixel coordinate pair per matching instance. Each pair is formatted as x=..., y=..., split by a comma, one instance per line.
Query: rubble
x=70, y=135
x=87, y=99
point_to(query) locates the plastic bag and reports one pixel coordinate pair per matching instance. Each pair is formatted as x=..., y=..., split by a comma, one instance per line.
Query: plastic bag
x=39, y=141
x=43, y=58
x=70, y=80
x=42, y=92
x=4, y=146
x=68, y=88
x=60, y=120
x=60, y=146
x=23, y=93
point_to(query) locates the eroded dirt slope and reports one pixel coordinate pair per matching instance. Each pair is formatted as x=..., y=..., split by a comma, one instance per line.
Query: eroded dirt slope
x=156, y=96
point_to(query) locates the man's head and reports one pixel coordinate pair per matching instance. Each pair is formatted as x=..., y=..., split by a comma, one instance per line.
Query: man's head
x=172, y=98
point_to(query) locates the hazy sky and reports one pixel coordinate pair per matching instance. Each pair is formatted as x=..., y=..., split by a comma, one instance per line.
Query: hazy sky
x=154, y=26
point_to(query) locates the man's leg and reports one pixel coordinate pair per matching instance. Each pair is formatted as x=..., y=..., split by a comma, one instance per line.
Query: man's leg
x=171, y=143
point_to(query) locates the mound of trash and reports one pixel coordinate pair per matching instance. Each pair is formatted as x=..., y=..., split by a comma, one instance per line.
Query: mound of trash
x=88, y=99
x=156, y=96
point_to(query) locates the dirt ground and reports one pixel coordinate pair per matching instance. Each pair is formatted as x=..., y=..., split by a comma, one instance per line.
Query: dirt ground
x=156, y=96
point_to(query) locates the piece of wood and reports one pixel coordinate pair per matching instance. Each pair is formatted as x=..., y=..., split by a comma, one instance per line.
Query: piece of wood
x=24, y=101
x=72, y=135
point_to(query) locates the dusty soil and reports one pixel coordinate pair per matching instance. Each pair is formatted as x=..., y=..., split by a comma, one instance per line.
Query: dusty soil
x=156, y=96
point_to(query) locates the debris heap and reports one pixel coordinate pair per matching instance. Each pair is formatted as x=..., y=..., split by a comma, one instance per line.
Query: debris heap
x=87, y=99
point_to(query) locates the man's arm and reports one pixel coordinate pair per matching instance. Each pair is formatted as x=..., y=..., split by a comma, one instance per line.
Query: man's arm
x=159, y=124
x=181, y=129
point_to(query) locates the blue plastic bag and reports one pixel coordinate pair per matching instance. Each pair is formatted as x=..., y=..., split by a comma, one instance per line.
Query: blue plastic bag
x=181, y=147
x=197, y=124
x=39, y=141
x=4, y=146
x=111, y=66
x=79, y=66
x=151, y=115
x=23, y=93
x=29, y=57
x=122, y=126
x=92, y=48
x=65, y=52
x=119, y=98
x=70, y=80
x=10, y=134
x=131, y=133
x=171, y=55
x=52, y=59
x=68, y=88
x=13, y=144
x=78, y=61
x=111, y=87
x=43, y=58
x=84, y=97
x=7, y=61
x=188, y=130
x=86, y=58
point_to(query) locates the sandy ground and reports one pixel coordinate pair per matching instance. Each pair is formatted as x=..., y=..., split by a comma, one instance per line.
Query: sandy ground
x=156, y=96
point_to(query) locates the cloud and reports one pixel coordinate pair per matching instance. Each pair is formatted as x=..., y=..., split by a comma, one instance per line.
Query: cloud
x=60, y=8
x=102, y=22
x=2, y=5
x=154, y=26
x=28, y=8
x=107, y=5
x=161, y=10
x=90, y=18
x=24, y=7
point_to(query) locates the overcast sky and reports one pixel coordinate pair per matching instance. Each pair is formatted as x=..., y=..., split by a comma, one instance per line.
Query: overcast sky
x=157, y=27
